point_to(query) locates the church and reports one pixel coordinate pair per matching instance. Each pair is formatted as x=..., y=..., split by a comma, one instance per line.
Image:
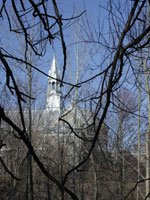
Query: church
x=71, y=121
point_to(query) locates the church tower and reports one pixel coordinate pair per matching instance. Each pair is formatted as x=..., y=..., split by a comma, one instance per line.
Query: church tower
x=53, y=99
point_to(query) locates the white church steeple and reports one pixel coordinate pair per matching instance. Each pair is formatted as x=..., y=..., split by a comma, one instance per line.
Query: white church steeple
x=53, y=100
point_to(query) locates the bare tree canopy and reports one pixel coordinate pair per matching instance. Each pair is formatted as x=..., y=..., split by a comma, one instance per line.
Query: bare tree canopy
x=102, y=89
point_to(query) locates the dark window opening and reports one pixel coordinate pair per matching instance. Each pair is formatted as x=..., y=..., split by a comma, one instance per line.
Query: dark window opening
x=53, y=85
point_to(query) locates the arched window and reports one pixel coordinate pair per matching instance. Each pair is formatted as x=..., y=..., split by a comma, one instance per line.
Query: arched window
x=53, y=85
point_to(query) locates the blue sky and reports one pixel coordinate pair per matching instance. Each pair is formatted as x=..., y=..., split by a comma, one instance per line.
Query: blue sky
x=91, y=54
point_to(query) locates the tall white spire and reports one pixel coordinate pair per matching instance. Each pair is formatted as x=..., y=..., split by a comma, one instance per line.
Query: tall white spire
x=53, y=72
x=53, y=101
